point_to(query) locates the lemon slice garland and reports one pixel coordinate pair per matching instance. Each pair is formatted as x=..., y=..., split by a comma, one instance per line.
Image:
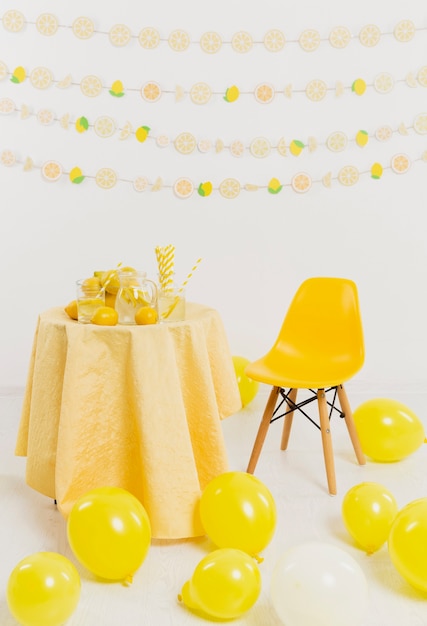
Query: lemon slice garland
x=211, y=42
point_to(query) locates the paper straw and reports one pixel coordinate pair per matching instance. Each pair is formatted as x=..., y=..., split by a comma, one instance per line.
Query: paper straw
x=165, y=261
x=181, y=289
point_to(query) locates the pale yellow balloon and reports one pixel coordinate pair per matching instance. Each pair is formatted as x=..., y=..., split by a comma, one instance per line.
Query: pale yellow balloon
x=248, y=388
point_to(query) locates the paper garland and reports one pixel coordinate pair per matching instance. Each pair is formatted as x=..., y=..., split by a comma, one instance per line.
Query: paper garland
x=201, y=93
x=211, y=42
x=229, y=188
x=185, y=142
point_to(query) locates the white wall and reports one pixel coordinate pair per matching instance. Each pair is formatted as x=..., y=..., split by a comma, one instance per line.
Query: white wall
x=258, y=247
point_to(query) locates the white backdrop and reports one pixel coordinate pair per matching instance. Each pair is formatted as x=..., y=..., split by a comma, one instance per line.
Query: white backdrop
x=258, y=247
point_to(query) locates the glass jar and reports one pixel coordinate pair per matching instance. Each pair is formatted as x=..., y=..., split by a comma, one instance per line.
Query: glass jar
x=171, y=302
x=135, y=291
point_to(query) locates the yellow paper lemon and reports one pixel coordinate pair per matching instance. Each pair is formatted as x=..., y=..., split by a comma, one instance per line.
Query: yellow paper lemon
x=76, y=176
x=82, y=124
x=117, y=89
x=359, y=86
x=19, y=75
x=232, y=94
x=362, y=138
x=376, y=171
x=274, y=186
x=296, y=147
x=205, y=189
x=142, y=133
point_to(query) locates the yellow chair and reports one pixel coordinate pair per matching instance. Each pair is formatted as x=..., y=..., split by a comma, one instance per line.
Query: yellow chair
x=319, y=347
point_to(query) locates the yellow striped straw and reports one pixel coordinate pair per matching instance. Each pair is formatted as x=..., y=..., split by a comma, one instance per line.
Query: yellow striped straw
x=165, y=261
x=181, y=289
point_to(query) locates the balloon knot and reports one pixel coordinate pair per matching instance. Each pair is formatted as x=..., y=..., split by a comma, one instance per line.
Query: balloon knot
x=128, y=580
x=425, y=440
x=258, y=559
x=179, y=597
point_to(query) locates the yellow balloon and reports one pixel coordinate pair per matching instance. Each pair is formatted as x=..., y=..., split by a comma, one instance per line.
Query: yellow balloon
x=224, y=585
x=248, y=388
x=388, y=430
x=109, y=532
x=238, y=511
x=368, y=511
x=43, y=588
x=407, y=543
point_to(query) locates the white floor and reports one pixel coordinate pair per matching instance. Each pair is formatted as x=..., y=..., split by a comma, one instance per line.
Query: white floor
x=296, y=478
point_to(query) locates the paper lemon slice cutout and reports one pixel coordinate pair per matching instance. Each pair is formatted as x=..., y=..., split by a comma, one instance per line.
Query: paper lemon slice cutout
x=287, y=92
x=264, y=93
x=179, y=40
x=410, y=80
x=348, y=175
x=229, y=188
x=179, y=93
x=51, y=171
x=7, y=158
x=185, y=143
x=339, y=88
x=162, y=141
x=151, y=92
x=420, y=124
x=237, y=148
x=384, y=133
x=40, y=78
x=241, y=42
x=183, y=188
x=6, y=106
x=337, y=142
x=25, y=112
x=91, y=86
x=316, y=90
x=204, y=145
x=402, y=130
x=260, y=147
x=83, y=28
x=149, y=38
x=158, y=184
x=309, y=40
x=200, y=93
x=47, y=24
x=106, y=178
x=384, y=83
x=65, y=82
x=251, y=187
x=3, y=70
x=370, y=35
x=45, y=117
x=210, y=42
x=404, y=30
x=141, y=183
x=400, y=163
x=219, y=146
x=126, y=131
x=422, y=76
x=274, y=40
x=282, y=148
x=301, y=182
x=104, y=126
x=327, y=180
x=28, y=164
x=340, y=37
x=119, y=35
x=65, y=121
x=13, y=21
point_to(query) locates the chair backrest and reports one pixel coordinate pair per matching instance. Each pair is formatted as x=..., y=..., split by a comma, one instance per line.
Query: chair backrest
x=324, y=319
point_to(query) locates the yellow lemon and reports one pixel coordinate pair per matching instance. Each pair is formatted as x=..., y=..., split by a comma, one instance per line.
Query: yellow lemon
x=105, y=316
x=205, y=189
x=110, y=299
x=362, y=138
x=232, y=94
x=376, y=171
x=146, y=315
x=110, y=280
x=71, y=310
x=359, y=86
x=274, y=186
x=76, y=176
x=82, y=124
x=90, y=285
x=19, y=75
x=117, y=89
x=296, y=147
x=142, y=133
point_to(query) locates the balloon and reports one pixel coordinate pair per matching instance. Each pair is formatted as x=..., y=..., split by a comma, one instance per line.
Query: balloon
x=407, y=543
x=224, y=585
x=248, y=388
x=317, y=583
x=368, y=511
x=387, y=429
x=109, y=532
x=44, y=588
x=238, y=511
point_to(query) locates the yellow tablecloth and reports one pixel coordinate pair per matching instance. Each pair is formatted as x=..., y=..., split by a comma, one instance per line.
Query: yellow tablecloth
x=137, y=407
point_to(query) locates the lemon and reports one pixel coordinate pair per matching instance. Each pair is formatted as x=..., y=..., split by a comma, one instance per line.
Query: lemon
x=205, y=189
x=105, y=316
x=142, y=133
x=359, y=86
x=296, y=147
x=110, y=279
x=19, y=75
x=110, y=300
x=146, y=315
x=376, y=171
x=274, y=186
x=232, y=94
x=117, y=89
x=71, y=310
x=82, y=124
x=362, y=138
x=76, y=176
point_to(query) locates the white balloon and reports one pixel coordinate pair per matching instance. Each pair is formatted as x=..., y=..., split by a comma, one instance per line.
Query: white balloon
x=318, y=583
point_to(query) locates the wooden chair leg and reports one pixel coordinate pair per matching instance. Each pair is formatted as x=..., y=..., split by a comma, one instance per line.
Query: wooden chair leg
x=262, y=430
x=287, y=424
x=351, y=427
x=326, y=441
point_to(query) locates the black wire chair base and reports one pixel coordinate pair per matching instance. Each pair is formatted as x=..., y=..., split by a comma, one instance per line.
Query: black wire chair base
x=297, y=406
